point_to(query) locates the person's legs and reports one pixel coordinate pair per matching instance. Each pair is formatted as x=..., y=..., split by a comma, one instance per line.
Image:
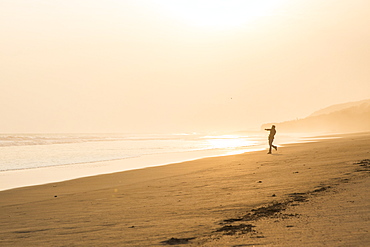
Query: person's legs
x=274, y=147
x=270, y=145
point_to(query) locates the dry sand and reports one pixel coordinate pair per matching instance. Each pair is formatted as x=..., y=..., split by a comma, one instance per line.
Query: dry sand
x=311, y=194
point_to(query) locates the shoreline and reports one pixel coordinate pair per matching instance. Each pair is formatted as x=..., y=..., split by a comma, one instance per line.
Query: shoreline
x=187, y=200
x=13, y=179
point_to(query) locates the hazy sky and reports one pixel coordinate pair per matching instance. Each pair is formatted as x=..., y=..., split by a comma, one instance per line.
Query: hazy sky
x=177, y=65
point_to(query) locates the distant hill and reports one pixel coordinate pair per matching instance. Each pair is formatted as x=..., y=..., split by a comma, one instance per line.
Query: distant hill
x=339, y=107
x=348, y=117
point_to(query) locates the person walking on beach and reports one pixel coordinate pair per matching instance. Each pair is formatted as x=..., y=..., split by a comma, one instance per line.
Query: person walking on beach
x=271, y=138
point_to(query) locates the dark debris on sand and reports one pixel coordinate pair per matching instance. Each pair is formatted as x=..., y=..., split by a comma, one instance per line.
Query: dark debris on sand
x=275, y=208
x=261, y=212
x=321, y=189
x=233, y=229
x=298, y=197
x=175, y=241
x=364, y=165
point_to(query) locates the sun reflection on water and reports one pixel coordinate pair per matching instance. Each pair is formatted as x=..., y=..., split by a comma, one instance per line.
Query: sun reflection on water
x=229, y=141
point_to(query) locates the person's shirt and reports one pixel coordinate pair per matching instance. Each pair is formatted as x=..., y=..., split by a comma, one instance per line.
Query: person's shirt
x=272, y=132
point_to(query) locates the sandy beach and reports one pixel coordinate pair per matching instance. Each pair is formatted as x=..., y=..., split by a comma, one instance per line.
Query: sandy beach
x=310, y=194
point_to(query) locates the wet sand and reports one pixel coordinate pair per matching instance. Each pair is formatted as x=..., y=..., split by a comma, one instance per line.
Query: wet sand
x=284, y=199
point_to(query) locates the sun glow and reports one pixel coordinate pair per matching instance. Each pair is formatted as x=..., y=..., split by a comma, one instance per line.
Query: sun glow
x=220, y=13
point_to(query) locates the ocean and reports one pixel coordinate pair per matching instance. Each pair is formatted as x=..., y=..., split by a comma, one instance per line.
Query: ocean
x=78, y=155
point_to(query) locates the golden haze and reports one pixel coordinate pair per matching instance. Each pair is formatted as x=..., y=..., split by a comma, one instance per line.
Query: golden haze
x=137, y=66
